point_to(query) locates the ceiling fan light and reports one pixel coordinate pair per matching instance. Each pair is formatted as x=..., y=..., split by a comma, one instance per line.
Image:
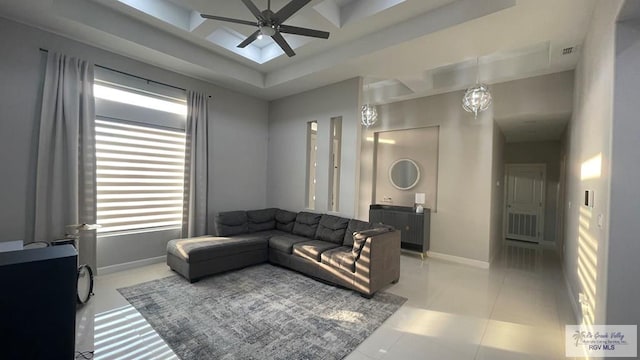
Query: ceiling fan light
x=267, y=31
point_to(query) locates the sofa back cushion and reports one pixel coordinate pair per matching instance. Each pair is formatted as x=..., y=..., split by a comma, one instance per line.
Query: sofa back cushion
x=230, y=223
x=306, y=224
x=332, y=228
x=360, y=238
x=262, y=220
x=285, y=220
x=354, y=226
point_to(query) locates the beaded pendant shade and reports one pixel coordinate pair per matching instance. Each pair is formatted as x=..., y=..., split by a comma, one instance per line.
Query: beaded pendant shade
x=369, y=115
x=477, y=99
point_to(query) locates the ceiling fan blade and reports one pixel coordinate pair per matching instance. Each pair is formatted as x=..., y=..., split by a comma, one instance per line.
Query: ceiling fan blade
x=253, y=8
x=237, y=21
x=291, y=8
x=283, y=44
x=250, y=39
x=303, y=31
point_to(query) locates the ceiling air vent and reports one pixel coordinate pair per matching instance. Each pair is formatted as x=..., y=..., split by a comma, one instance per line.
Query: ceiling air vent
x=568, y=50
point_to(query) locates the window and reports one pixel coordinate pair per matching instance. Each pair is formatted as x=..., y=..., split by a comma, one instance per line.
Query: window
x=334, y=169
x=312, y=151
x=140, y=174
x=140, y=146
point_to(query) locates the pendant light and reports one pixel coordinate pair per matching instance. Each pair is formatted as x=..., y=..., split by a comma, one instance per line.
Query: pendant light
x=369, y=113
x=477, y=98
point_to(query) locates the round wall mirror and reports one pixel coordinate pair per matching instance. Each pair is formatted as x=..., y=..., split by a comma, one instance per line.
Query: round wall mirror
x=404, y=174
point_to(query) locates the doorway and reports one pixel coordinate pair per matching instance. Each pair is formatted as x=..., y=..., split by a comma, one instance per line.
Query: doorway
x=525, y=202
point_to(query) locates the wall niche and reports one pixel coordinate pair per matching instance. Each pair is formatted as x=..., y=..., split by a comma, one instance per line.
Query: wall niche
x=419, y=145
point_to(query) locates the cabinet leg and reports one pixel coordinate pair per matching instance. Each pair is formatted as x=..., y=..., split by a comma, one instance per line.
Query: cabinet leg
x=422, y=256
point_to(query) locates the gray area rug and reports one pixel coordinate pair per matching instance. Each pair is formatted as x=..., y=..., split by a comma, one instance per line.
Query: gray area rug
x=260, y=312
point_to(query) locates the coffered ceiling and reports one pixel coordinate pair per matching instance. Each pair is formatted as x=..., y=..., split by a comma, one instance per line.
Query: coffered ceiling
x=403, y=48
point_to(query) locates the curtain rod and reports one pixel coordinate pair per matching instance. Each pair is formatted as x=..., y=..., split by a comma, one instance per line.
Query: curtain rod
x=135, y=76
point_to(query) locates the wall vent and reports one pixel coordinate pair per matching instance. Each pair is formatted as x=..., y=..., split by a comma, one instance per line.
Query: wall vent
x=523, y=225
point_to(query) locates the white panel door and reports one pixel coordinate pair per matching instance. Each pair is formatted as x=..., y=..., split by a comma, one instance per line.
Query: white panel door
x=525, y=202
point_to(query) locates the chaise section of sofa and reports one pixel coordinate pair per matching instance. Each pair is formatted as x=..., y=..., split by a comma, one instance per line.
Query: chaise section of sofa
x=351, y=253
x=197, y=257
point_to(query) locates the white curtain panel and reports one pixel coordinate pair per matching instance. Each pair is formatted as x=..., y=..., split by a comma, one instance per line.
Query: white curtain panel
x=65, y=174
x=195, y=176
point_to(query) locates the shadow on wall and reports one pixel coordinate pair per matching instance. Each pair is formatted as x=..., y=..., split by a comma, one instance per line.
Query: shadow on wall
x=587, y=268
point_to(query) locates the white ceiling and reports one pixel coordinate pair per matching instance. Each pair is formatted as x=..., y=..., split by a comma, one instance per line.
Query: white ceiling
x=403, y=48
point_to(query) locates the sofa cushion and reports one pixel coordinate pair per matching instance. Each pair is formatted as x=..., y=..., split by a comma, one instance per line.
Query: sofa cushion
x=285, y=220
x=360, y=237
x=268, y=233
x=285, y=243
x=306, y=224
x=312, y=249
x=231, y=223
x=331, y=228
x=354, y=226
x=193, y=250
x=261, y=220
x=340, y=257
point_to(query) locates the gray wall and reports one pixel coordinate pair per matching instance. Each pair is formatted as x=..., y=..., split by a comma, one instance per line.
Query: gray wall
x=461, y=225
x=623, y=288
x=588, y=136
x=288, y=119
x=545, y=95
x=541, y=152
x=419, y=145
x=21, y=73
x=238, y=134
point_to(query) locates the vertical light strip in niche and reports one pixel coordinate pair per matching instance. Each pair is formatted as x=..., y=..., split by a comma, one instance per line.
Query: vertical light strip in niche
x=312, y=162
x=335, y=147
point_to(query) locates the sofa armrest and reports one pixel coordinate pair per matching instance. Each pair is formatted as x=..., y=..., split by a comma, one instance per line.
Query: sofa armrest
x=379, y=262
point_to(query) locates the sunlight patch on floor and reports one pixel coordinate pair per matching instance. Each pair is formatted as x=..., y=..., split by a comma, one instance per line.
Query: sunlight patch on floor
x=124, y=333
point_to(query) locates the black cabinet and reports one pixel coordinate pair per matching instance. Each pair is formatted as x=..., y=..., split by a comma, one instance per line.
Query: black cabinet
x=38, y=303
x=414, y=227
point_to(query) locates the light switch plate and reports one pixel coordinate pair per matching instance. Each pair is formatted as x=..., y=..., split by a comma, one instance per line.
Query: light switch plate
x=588, y=198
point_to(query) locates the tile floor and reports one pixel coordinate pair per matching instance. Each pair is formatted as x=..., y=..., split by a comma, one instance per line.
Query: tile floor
x=515, y=310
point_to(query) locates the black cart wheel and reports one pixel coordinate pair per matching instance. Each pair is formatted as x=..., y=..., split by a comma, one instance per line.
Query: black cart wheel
x=85, y=284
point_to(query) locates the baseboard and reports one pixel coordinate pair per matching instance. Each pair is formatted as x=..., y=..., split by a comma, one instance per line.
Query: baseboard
x=575, y=304
x=130, y=265
x=458, y=259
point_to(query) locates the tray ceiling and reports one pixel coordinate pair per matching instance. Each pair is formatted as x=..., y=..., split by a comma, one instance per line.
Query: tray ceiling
x=408, y=48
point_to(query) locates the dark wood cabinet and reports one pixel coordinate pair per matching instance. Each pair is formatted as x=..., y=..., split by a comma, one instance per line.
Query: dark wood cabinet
x=415, y=228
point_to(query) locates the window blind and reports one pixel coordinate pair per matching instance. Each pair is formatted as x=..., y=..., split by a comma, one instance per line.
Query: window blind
x=140, y=176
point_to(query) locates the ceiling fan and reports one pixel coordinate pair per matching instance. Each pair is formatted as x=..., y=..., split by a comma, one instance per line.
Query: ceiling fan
x=271, y=24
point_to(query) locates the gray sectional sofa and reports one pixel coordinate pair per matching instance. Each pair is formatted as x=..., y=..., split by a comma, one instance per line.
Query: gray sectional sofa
x=347, y=252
